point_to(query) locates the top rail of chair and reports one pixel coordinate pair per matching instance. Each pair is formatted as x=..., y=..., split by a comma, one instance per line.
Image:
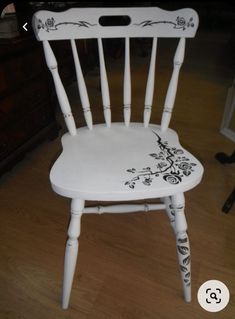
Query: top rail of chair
x=85, y=23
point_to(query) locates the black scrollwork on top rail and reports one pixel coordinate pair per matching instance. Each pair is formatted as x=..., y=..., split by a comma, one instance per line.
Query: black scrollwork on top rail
x=51, y=25
x=180, y=23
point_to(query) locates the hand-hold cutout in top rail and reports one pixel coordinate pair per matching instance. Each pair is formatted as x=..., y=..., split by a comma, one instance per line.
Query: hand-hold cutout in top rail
x=90, y=23
x=114, y=21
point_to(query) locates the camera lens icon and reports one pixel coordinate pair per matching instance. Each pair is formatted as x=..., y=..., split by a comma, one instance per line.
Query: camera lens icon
x=213, y=295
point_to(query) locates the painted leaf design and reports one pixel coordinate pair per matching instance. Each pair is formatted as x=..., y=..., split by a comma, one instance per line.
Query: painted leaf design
x=186, y=280
x=183, y=268
x=162, y=164
x=183, y=250
x=179, y=207
x=182, y=240
x=153, y=155
x=186, y=260
x=187, y=275
x=186, y=173
x=178, y=152
x=131, y=170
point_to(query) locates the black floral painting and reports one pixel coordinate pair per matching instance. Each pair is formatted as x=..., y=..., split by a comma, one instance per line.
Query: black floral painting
x=171, y=165
x=179, y=23
x=51, y=25
x=183, y=249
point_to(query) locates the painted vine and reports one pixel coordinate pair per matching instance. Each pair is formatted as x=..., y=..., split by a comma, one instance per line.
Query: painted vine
x=171, y=165
x=179, y=23
x=51, y=25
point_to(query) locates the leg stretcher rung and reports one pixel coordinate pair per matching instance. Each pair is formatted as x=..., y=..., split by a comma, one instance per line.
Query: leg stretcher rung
x=124, y=208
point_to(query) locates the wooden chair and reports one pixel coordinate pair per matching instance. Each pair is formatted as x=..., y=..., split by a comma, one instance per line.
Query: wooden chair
x=121, y=161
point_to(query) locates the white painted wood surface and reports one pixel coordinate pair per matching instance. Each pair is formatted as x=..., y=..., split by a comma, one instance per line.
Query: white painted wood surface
x=125, y=161
x=127, y=84
x=172, y=88
x=150, y=85
x=60, y=91
x=82, y=23
x=124, y=208
x=94, y=165
x=82, y=86
x=169, y=211
x=182, y=244
x=104, y=85
x=71, y=251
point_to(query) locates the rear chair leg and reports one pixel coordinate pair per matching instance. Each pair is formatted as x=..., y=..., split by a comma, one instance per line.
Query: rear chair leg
x=71, y=250
x=182, y=244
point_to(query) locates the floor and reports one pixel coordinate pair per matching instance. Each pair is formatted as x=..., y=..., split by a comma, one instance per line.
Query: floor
x=127, y=265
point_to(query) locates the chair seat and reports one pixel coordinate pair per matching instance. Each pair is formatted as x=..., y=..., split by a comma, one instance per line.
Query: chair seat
x=123, y=163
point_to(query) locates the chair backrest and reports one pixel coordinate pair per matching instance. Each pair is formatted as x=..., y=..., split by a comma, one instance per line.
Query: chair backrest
x=87, y=23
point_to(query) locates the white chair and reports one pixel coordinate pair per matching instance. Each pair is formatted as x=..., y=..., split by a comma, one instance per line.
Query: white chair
x=121, y=161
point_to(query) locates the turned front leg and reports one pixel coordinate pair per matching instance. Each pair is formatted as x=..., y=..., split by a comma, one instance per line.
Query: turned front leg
x=71, y=250
x=182, y=244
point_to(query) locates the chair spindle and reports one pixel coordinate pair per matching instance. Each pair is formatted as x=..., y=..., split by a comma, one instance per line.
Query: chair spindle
x=172, y=88
x=127, y=84
x=60, y=91
x=104, y=85
x=82, y=86
x=150, y=85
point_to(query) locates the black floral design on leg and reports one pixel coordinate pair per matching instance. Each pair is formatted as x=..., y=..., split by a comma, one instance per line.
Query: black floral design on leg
x=185, y=266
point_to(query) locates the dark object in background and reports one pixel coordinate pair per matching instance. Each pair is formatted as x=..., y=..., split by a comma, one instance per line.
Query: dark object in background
x=226, y=159
x=229, y=202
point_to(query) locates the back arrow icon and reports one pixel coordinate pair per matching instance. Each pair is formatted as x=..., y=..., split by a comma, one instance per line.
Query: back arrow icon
x=24, y=26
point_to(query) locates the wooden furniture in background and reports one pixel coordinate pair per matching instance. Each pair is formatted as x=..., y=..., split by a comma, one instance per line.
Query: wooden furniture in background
x=26, y=111
x=228, y=122
x=27, y=95
x=121, y=161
